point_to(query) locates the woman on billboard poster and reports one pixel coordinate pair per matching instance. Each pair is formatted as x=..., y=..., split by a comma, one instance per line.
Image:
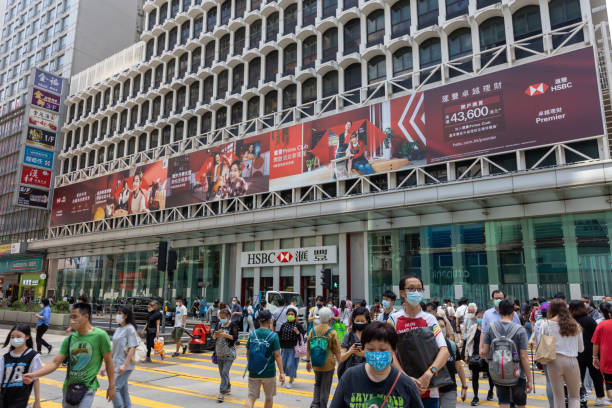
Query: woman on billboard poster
x=357, y=156
x=235, y=185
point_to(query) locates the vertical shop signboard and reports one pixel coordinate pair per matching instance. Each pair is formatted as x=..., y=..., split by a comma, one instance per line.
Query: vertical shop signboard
x=40, y=140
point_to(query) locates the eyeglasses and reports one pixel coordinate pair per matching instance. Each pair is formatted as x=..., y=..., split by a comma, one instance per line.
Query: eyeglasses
x=414, y=289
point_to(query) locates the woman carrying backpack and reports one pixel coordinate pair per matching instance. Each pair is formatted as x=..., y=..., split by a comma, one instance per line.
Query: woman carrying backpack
x=225, y=350
x=564, y=369
x=125, y=341
x=351, y=350
x=14, y=392
x=321, y=349
x=290, y=334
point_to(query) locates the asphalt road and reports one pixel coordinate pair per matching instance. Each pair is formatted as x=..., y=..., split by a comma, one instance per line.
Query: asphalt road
x=191, y=380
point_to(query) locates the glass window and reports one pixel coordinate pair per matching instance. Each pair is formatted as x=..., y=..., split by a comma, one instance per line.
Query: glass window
x=400, y=18
x=402, y=61
x=376, y=27
x=429, y=53
x=290, y=19
x=289, y=59
x=330, y=84
x=309, y=52
x=377, y=68
x=330, y=44
x=460, y=43
x=309, y=12
x=352, y=36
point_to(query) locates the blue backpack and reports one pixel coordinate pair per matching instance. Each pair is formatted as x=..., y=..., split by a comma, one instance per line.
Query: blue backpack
x=318, y=348
x=258, y=353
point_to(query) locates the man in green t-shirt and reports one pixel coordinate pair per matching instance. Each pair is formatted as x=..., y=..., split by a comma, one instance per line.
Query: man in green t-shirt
x=89, y=346
x=266, y=378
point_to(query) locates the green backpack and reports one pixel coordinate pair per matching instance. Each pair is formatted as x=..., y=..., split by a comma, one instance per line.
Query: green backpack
x=340, y=328
x=318, y=348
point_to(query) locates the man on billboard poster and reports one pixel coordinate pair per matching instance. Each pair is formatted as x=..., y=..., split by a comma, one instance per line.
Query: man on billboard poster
x=219, y=174
x=138, y=202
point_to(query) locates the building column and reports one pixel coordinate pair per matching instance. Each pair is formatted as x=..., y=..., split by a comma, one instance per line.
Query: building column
x=256, y=273
x=223, y=269
x=571, y=256
x=297, y=270
x=458, y=265
x=276, y=269
x=342, y=266
x=318, y=267
x=531, y=261
x=366, y=267
x=238, y=271
x=425, y=262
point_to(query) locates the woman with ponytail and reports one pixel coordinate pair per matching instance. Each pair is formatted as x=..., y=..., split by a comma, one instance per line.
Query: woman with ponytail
x=564, y=369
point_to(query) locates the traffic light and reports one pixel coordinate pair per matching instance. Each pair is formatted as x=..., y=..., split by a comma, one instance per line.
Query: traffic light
x=336, y=283
x=326, y=279
x=172, y=260
x=162, y=251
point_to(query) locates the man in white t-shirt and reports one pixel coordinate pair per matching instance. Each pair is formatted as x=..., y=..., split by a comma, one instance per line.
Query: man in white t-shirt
x=413, y=317
x=460, y=314
x=180, y=321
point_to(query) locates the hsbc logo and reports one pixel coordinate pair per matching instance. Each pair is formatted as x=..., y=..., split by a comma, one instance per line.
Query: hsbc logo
x=284, y=257
x=536, y=89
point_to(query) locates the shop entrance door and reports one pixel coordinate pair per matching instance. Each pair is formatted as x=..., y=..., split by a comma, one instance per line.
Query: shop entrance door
x=247, y=290
x=309, y=290
x=266, y=283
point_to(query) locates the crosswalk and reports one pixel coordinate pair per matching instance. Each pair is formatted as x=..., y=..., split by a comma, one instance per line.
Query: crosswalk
x=192, y=380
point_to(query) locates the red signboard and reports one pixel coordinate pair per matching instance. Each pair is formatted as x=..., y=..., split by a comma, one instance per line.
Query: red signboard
x=35, y=177
x=548, y=101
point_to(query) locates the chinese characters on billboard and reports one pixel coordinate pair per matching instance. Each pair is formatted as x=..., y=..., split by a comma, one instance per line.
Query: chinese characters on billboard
x=547, y=101
x=40, y=141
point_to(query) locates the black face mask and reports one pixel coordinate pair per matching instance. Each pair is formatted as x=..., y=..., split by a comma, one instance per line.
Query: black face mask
x=359, y=326
x=319, y=306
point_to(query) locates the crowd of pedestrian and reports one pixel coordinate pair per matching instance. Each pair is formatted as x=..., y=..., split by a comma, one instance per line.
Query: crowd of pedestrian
x=392, y=353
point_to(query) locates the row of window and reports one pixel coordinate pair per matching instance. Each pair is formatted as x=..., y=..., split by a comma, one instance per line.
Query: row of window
x=235, y=80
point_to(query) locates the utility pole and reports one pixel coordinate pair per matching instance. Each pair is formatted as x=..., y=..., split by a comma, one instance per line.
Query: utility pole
x=165, y=287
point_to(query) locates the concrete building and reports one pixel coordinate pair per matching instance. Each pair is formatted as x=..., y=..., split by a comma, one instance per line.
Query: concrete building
x=62, y=37
x=268, y=140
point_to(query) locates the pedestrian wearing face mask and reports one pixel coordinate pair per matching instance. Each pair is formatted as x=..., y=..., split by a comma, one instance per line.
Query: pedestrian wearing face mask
x=225, y=350
x=475, y=362
x=377, y=382
x=15, y=393
x=492, y=315
x=351, y=349
x=291, y=334
x=313, y=316
x=388, y=303
x=125, y=341
x=151, y=329
x=412, y=317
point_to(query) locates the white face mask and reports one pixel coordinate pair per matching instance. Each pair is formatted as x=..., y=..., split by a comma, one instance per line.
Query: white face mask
x=119, y=318
x=17, y=342
x=469, y=315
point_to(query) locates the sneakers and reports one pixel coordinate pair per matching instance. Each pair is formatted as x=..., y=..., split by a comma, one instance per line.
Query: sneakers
x=184, y=349
x=175, y=354
x=148, y=360
x=475, y=402
x=220, y=398
x=288, y=385
x=228, y=391
x=490, y=395
x=50, y=347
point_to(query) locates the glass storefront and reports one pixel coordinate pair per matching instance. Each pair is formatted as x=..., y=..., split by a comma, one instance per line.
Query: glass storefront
x=547, y=254
x=108, y=277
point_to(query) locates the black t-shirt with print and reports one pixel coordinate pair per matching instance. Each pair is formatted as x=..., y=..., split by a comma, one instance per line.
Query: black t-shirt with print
x=356, y=390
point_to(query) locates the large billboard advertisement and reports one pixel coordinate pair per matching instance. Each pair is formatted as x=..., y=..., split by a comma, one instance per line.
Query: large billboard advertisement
x=552, y=100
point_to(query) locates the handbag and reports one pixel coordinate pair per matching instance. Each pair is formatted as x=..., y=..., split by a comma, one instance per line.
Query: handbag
x=475, y=360
x=399, y=373
x=139, y=353
x=300, y=347
x=417, y=350
x=75, y=392
x=546, y=352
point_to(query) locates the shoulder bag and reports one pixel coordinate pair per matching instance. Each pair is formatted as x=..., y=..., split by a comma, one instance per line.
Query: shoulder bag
x=399, y=373
x=75, y=392
x=546, y=351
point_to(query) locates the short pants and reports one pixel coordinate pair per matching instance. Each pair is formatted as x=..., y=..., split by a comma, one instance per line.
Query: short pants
x=515, y=394
x=177, y=333
x=255, y=384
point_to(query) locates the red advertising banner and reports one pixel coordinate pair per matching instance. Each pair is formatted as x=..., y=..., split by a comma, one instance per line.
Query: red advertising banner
x=35, y=177
x=548, y=101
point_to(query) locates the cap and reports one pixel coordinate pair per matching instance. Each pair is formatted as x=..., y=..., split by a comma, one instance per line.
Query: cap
x=264, y=316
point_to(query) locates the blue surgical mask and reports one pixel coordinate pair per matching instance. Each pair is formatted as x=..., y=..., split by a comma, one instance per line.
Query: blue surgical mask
x=479, y=321
x=496, y=302
x=17, y=342
x=222, y=321
x=378, y=360
x=386, y=304
x=414, y=298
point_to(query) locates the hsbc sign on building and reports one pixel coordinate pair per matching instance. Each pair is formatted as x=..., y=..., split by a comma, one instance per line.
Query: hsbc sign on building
x=288, y=257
